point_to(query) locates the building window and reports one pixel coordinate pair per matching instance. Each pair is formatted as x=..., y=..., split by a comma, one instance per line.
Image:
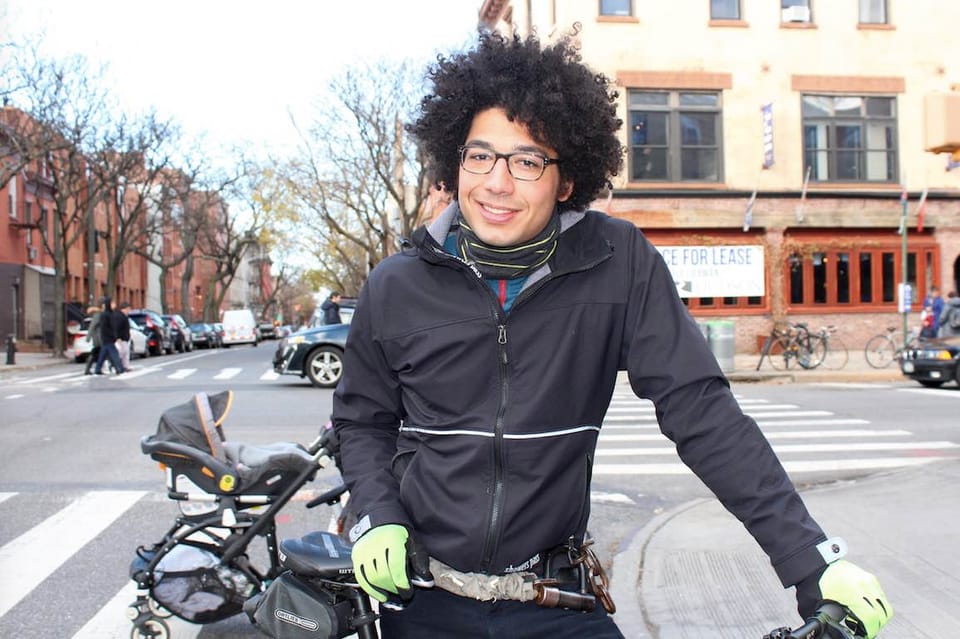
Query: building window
x=675, y=136
x=850, y=138
x=839, y=272
x=724, y=9
x=12, y=196
x=873, y=11
x=795, y=11
x=616, y=7
x=28, y=219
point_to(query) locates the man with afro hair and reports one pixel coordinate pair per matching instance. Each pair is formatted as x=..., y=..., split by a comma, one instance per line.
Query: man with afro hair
x=482, y=359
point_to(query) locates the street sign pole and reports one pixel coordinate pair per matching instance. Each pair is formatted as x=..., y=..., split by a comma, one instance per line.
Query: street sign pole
x=903, y=261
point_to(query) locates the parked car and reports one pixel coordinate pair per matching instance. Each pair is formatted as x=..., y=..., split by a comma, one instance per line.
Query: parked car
x=267, y=330
x=182, y=335
x=82, y=346
x=159, y=339
x=204, y=335
x=933, y=362
x=239, y=327
x=316, y=353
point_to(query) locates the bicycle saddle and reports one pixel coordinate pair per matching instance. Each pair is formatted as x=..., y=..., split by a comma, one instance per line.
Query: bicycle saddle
x=317, y=554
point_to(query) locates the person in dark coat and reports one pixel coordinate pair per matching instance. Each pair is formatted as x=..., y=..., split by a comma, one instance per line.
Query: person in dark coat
x=108, y=339
x=93, y=335
x=121, y=326
x=468, y=421
x=331, y=309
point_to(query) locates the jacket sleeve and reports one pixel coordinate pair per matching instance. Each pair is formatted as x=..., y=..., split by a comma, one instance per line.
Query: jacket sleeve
x=366, y=417
x=669, y=362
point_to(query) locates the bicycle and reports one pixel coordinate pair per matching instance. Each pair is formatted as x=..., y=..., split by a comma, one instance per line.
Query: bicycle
x=829, y=616
x=884, y=349
x=835, y=353
x=795, y=345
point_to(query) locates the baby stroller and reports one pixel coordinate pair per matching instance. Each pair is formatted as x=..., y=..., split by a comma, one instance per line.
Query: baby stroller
x=229, y=494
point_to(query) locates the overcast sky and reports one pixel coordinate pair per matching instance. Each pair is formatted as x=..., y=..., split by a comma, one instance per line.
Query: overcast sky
x=233, y=68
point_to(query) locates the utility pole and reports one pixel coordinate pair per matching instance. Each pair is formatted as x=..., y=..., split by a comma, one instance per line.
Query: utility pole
x=905, y=293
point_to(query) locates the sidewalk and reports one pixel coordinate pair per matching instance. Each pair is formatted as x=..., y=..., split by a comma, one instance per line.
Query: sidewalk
x=32, y=361
x=701, y=575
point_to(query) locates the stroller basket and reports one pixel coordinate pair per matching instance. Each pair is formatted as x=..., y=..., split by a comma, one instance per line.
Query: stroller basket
x=190, y=443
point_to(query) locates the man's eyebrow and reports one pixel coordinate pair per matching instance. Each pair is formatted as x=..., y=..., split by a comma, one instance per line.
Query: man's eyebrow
x=520, y=148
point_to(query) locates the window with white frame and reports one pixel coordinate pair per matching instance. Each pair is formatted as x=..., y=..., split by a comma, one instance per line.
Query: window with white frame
x=873, y=11
x=795, y=11
x=616, y=7
x=849, y=138
x=675, y=136
x=724, y=9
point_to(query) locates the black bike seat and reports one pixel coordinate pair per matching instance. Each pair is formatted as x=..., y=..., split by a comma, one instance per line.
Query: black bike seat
x=317, y=554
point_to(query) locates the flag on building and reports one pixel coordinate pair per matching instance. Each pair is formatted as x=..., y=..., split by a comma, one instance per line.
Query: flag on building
x=748, y=215
x=803, y=195
x=921, y=209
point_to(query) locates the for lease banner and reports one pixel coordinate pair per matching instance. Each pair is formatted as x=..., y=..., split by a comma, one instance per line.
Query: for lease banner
x=716, y=271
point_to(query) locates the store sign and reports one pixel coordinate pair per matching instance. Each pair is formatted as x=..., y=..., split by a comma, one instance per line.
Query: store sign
x=716, y=271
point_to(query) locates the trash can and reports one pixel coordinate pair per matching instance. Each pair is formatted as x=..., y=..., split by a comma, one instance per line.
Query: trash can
x=720, y=338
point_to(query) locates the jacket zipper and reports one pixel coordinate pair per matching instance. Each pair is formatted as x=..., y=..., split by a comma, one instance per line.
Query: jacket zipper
x=496, y=507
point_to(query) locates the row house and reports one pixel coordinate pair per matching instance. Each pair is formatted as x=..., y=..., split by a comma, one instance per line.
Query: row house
x=775, y=149
x=28, y=268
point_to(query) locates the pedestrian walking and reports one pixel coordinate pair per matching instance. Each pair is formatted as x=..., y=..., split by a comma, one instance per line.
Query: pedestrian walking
x=108, y=339
x=122, y=329
x=93, y=336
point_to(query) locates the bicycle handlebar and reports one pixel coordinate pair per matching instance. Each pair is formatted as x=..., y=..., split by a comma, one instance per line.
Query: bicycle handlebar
x=829, y=616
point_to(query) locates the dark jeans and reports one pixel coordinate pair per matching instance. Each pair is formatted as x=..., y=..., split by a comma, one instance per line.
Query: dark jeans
x=92, y=358
x=438, y=614
x=109, y=349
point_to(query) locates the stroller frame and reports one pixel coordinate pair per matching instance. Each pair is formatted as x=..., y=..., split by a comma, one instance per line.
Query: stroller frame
x=227, y=532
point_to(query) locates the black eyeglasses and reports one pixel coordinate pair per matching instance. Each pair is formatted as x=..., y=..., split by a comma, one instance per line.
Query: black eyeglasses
x=522, y=165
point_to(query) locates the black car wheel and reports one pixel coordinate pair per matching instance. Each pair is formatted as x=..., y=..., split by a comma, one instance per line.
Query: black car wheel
x=325, y=366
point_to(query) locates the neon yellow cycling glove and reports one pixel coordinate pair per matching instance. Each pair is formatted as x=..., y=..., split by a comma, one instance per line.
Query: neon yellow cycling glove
x=852, y=587
x=380, y=562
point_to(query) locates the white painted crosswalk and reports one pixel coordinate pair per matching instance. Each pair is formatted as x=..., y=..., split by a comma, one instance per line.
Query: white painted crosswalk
x=807, y=440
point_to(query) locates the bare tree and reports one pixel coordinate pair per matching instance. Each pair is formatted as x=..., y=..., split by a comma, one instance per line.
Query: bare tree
x=356, y=185
x=64, y=118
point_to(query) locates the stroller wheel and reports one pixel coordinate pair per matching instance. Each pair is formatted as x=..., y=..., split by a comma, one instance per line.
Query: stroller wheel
x=151, y=629
x=157, y=610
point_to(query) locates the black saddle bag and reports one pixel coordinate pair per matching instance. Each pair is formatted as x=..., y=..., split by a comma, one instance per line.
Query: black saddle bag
x=290, y=609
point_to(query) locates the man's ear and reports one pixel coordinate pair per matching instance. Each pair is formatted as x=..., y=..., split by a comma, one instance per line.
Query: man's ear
x=565, y=191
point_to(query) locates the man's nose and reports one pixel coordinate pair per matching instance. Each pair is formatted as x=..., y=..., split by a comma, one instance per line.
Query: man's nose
x=499, y=178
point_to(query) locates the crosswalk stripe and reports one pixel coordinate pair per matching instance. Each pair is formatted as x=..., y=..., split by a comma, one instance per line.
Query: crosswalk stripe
x=792, y=448
x=763, y=423
x=182, y=373
x=5, y=496
x=834, y=465
x=228, y=373
x=111, y=621
x=644, y=437
x=270, y=375
x=42, y=549
x=938, y=392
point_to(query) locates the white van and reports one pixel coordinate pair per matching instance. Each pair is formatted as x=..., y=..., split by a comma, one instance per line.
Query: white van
x=239, y=327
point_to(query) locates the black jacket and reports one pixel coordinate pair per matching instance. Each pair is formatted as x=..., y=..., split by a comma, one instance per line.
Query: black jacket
x=478, y=429
x=331, y=312
x=121, y=325
x=108, y=326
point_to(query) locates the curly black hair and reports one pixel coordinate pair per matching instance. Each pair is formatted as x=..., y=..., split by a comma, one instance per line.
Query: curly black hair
x=561, y=102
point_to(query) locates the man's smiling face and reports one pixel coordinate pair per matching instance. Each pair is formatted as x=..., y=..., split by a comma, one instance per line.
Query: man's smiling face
x=502, y=210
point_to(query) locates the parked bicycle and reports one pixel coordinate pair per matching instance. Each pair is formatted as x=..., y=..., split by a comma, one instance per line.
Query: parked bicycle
x=790, y=346
x=829, y=616
x=835, y=353
x=885, y=349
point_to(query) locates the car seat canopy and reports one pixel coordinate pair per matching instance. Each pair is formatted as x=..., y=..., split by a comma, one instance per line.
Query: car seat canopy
x=197, y=423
